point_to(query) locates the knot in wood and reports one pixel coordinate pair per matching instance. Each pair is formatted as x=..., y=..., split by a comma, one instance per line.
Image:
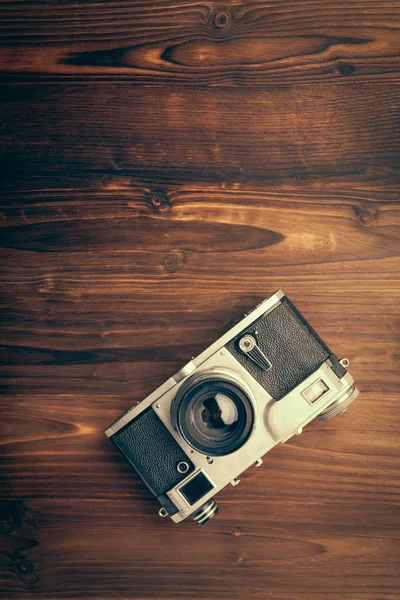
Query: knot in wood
x=173, y=261
x=220, y=19
x=24, y=566
x=346, y=69
x=366, y=216
x=26, y=570
x=159, y=199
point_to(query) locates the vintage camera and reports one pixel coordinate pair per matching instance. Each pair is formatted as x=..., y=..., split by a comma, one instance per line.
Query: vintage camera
x=258, y=385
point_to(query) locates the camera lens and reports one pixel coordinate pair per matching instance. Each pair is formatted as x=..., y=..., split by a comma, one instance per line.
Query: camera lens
x=214, y=413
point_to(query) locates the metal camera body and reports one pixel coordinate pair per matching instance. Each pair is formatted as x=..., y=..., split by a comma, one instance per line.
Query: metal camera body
x=257, y=385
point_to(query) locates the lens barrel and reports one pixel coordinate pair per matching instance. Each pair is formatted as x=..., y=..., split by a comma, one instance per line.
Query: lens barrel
x=213, y=411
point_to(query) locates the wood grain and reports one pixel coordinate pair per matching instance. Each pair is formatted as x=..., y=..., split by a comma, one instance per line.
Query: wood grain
x=228, y=137
x=165, y=167
x=231, y=43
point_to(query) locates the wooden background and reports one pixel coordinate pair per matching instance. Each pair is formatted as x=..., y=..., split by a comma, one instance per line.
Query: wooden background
x=165, y=166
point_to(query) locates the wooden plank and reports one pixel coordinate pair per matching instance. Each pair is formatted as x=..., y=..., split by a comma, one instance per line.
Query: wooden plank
x=283, y=553
x=186, y=43
x=283, y=134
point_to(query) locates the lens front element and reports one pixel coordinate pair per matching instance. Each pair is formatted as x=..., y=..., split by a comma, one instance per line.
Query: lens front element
x=213, y=413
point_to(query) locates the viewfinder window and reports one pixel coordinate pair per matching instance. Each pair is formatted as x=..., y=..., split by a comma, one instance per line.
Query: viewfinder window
x=196, y=488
